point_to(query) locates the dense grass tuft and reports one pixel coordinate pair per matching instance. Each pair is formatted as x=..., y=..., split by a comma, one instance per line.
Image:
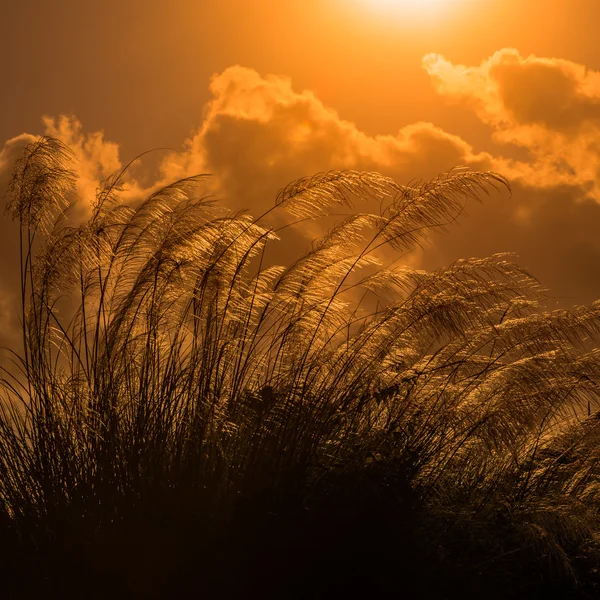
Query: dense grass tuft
x=187, y=417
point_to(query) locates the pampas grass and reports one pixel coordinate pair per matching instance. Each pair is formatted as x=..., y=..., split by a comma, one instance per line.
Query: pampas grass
x=186, y=420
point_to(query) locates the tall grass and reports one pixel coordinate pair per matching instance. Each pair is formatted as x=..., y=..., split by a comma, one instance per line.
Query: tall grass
x=186, y=416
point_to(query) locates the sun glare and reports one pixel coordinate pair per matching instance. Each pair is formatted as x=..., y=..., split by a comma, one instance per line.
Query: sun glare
x=413, y=3
x=415, y=8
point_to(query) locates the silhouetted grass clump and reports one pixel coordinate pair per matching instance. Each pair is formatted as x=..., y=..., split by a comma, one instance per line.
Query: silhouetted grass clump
x=189, y=420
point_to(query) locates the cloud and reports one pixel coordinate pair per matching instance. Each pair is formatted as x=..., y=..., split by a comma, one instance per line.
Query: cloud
x=258, y=134
x=509, y=90
x=550, y=106
x=95, y=160
x=553, y=231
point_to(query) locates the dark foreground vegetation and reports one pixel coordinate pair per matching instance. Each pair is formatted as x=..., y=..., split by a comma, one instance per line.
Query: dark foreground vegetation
x=189, y=421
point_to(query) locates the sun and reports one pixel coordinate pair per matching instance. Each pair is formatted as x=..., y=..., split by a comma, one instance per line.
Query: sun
x=411, y=3
x=416, y=8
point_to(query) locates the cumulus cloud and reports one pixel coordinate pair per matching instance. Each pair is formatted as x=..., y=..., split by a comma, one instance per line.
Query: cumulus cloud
x=95, y=160
x=550, y=106
x=96, y=157
x=258, y=134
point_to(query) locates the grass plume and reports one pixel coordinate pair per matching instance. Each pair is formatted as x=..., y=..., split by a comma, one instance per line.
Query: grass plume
x=186, y=414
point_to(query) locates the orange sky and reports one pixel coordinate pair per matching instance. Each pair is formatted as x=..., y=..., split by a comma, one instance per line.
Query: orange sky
x=139, y=69
x=262, y=92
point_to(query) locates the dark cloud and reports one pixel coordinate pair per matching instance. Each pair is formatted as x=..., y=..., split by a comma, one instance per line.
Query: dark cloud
x=554, y=232
x=547, y=92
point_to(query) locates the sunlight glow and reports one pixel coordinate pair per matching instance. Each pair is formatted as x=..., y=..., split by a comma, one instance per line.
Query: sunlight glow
x=414, y=8
x=412, y=3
